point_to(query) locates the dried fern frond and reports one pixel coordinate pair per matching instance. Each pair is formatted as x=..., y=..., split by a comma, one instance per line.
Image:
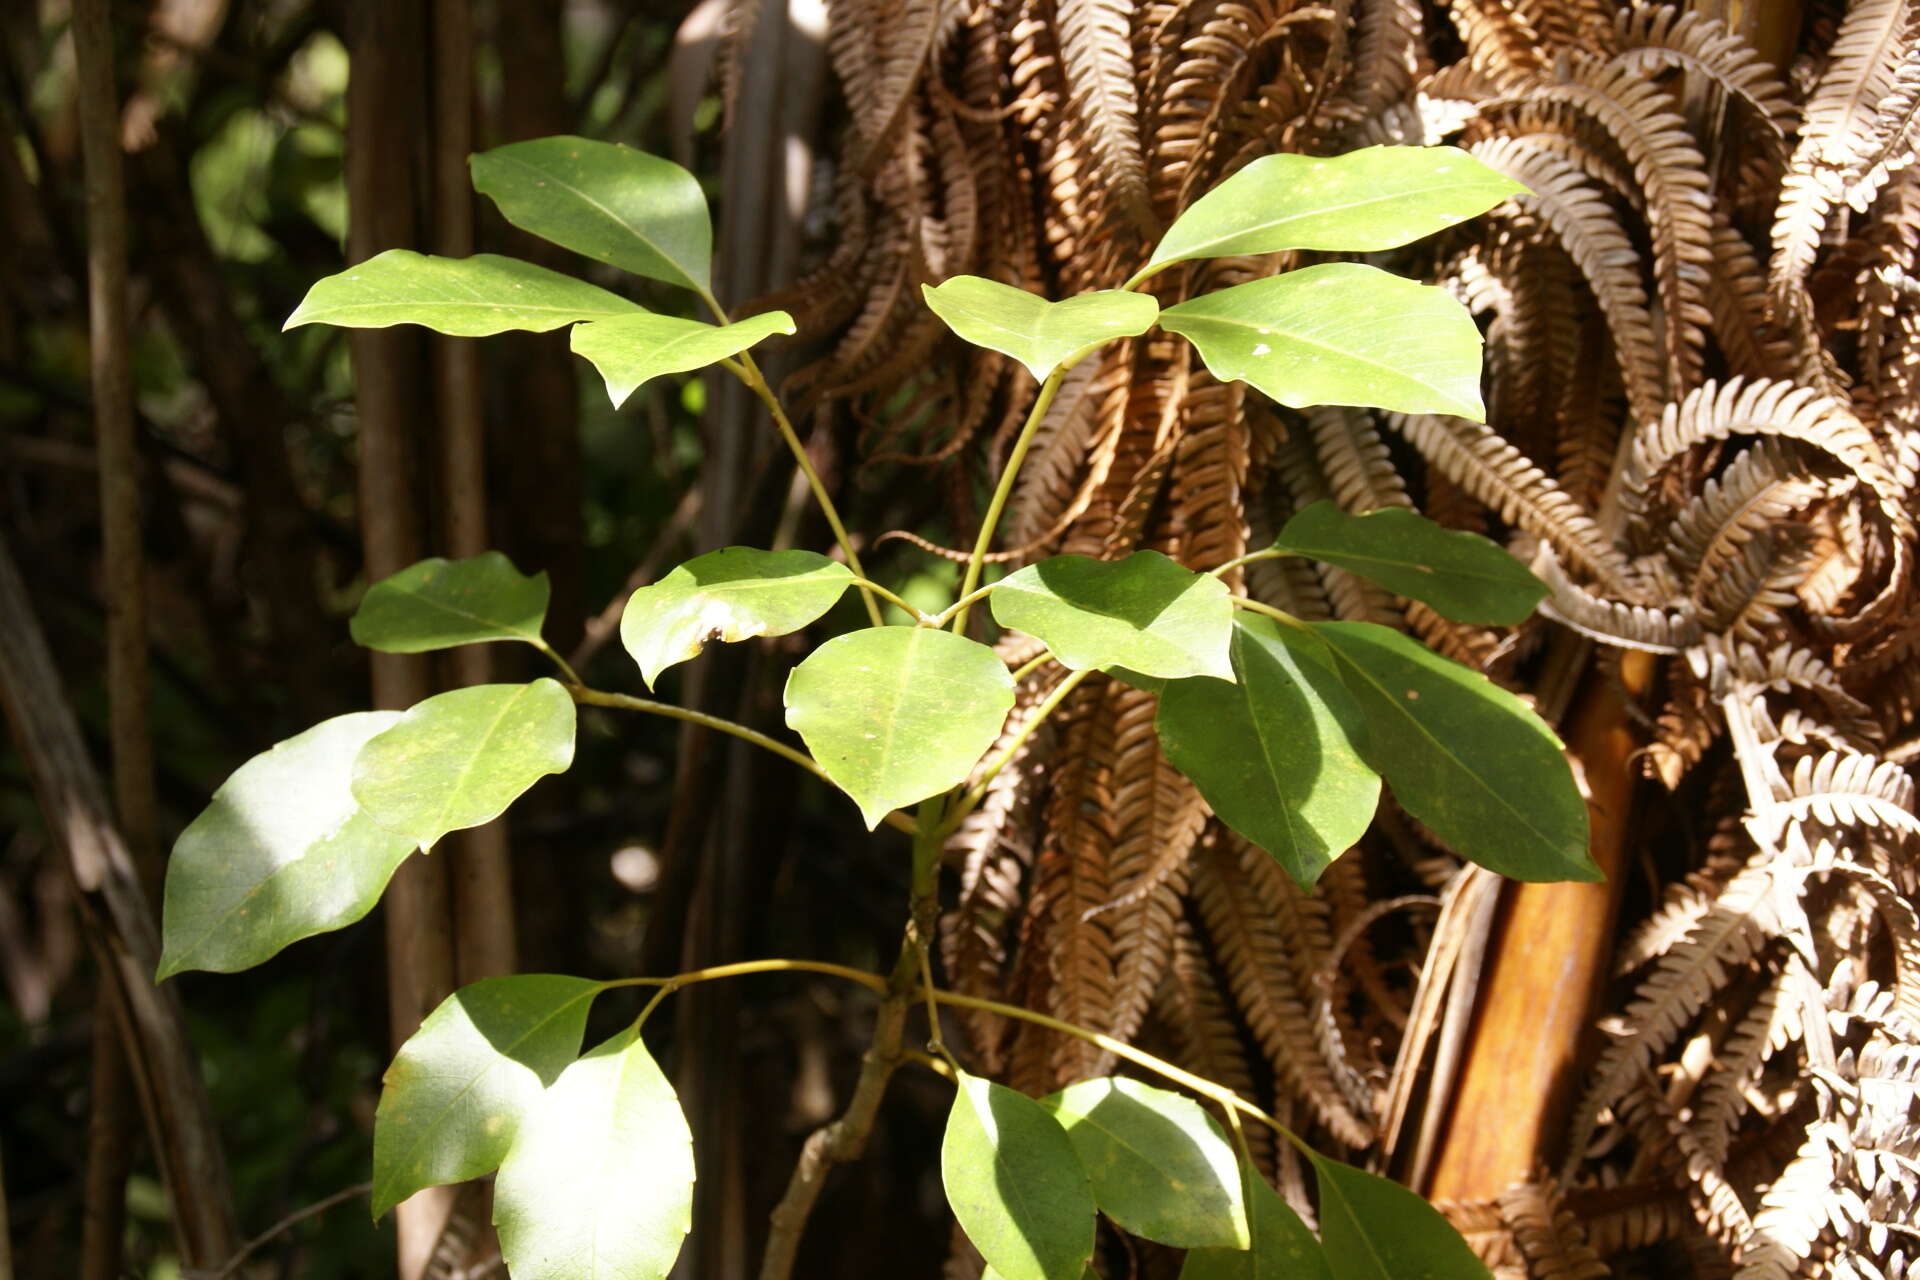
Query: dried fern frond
x=1096, y=46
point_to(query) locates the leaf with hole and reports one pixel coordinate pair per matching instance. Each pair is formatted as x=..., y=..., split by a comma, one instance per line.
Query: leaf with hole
x=599, y=1182
x=460, y=758
x=437, y=604
x=1374, y=1229
x=1340, y=333
x=1015, y=1184
x=1281, y=1248
x=466, y=297
x=455, y=1094
x=1361, y=202
x=631, y=350
x=1274, y=753
x=1463, y=755
x=606, y=202
x=897, y=714
x=735, y=593
x=1041, y=335
x=1144, y=613
x=1462, y=576
x=283, y=852
x=1159, y=1165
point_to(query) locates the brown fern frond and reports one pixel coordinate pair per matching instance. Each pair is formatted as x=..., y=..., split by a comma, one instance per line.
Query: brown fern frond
x=1096, y=46
x=1550, y=1237
x=1627, y=626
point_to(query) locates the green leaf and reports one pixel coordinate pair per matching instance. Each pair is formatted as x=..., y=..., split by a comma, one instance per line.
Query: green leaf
x=731, y=594
x=460, y=758
x=282, y=853
x=1463, y=576
x=606, y=202
x=1282, y=1246
x=1159, y=1165
x=632, y=350
x=1144, y=613
x=458, y=1089
x=1340, y=333
x=897, y=714
x=437, y=604
x=1374, y=1229
x=1041, y=335
x=1015, y=1184
x=1362, y=202
x=1274, y=754
x=1464, y=756
x=599, y=1182
x=466, y=297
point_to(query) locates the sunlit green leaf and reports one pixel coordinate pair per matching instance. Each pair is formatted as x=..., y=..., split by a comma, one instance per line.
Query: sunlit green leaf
x=1340, y=333
x=605, y=201
x=731, y=594
x=1361, y=202
x=599, y=1182
x=1274, y=754
x=455, y=1094
x=1144, y=613
x=437, y=604
x=1464, y=756
x=460, y=758
x=1282, y=1246
x=1374, y=1229
x=1159, y=1165
x=1041, y=335
x=1463, y=576
x=1015, y=1184
x=282, y=853
x=897, y=714
x=466, y=297
x=631, y=350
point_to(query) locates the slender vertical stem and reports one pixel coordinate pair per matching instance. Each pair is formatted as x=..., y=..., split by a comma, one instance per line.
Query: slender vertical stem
x=744, y=368
x=110, y=1111
x=1001, y=492
x=845, y=1138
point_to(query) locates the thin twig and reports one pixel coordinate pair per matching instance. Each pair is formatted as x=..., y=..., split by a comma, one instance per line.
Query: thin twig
x=277, y=1230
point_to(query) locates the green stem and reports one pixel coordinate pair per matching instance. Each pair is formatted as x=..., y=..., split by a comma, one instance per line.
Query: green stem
x=919, y=619
x=1144, y=274
x=978, y=791
x=626, y=702
x=971, y=598
x=1032, y=665
x=744, y=368
x=567, y=674
x=1266, y=610
x=1270, y=553
x=1000, y=494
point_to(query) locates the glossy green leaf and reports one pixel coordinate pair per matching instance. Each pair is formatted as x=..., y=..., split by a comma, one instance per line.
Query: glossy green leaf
x=1159, y=1165
x=282, y=853
x=460, y=758
x=1340, y=333
x=1015, y=1184
x=437, y=604
x=455, y=1094
x=1374, y=1229
x=1361, y=202
x=1282, y=1248
x=1144, y=613
x=1274, y=754
x=1463, y=576
x=1041, y=335
x=599, y=1182
x=1464, y=756
x=897, y=714
x=731, y=594
x=632, y=350
x=466, y=297
x=606, y=202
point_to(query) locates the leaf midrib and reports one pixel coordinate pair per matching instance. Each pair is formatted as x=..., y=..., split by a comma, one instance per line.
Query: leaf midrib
x=1386, y=695
x=619, y=223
